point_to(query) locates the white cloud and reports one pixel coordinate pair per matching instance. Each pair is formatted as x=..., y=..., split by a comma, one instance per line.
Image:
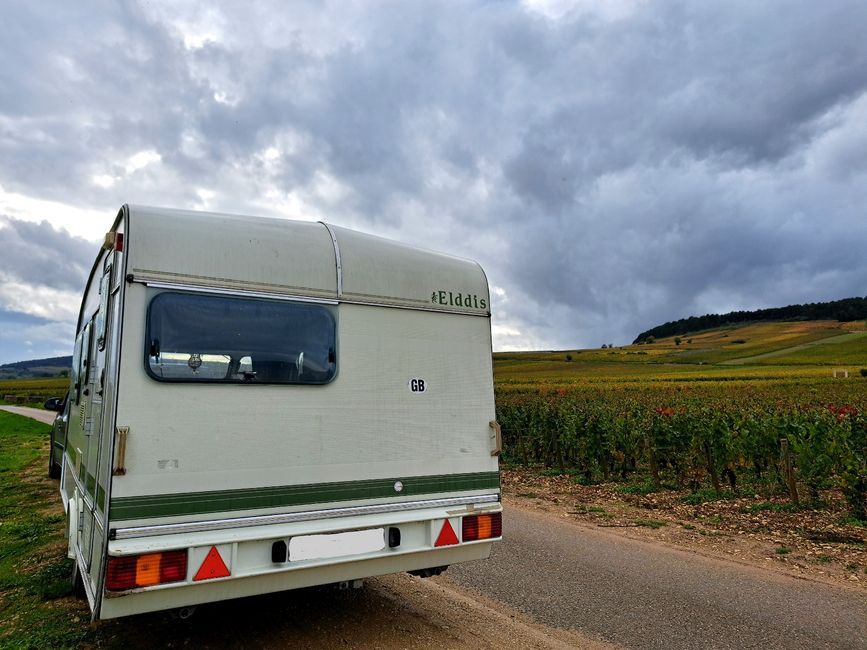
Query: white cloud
x=141, y=160
x=40, y=301
x=103, y=180
x=80, y=222
x=608, y=9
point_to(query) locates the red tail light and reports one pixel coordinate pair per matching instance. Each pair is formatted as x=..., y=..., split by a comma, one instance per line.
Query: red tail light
x=477, y=527
x=145, y=570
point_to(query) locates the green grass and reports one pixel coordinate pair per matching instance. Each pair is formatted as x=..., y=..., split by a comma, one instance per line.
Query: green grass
x=583, y=508
x=846, y=350
x=849, y=520
x=644, y=488
x=711, y=519
x=708, y=495
x=783, y=550
x=651, y=523
x=34, y=571
x=22, y=442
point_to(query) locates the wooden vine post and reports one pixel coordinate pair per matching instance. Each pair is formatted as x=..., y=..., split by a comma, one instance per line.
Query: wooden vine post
x=522, y=444
x=789, y=470
x=654, y=464
x=711, y=467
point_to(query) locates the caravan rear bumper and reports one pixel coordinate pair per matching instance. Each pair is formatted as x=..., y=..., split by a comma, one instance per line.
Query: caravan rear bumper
x=248, y=553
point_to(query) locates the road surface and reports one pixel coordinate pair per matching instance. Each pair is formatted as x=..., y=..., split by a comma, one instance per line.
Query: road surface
x=643, y=595
x=37, y=414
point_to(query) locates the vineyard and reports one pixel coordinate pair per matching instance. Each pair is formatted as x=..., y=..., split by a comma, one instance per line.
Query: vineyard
x=624, y=416
x=32, y=391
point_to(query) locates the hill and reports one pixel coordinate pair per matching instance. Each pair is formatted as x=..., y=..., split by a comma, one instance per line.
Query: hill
x=848, y=309
x=48, y=367
x=764, y=352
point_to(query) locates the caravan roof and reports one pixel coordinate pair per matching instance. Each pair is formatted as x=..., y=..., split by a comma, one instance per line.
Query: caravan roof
x=307, y=259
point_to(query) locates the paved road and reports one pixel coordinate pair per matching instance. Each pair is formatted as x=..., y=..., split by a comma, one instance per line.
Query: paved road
x=642, y=595
x=43, y=416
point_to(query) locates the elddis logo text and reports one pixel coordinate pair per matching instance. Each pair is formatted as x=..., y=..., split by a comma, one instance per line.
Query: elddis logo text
x=458, y=300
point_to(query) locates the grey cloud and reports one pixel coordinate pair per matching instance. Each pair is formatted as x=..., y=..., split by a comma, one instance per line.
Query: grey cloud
x=609, y=174
x=37, y=253
x=12, y=320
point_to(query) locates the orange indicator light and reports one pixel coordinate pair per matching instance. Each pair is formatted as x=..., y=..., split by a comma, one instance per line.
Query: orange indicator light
x=147, y=570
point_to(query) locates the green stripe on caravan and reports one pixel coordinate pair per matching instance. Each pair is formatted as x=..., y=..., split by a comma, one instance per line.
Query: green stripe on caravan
x=198, y=503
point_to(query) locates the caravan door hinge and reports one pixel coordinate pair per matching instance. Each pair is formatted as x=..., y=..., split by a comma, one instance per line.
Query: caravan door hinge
x=120, y=435
x=497, y=435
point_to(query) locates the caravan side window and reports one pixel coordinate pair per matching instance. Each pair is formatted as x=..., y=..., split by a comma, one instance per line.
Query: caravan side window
x=76, y=366
x=227, y=339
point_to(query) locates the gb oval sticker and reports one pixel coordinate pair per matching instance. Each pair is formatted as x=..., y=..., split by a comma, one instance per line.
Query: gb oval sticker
x=417, y=385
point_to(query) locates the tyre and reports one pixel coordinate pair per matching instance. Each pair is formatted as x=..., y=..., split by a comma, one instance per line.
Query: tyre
x=53, y=466
x=77, y=582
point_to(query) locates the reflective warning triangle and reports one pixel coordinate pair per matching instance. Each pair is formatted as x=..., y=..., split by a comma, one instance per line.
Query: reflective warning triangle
x=212, y=567
x=447, y=535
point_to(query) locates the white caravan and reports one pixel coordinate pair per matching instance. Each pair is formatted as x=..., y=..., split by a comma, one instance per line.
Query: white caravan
x=261, y=404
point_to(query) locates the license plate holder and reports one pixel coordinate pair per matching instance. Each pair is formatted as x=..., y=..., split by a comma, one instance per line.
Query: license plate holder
x=334, y=545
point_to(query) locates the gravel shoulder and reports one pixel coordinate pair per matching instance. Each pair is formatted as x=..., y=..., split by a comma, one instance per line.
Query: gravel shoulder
x=756, y=530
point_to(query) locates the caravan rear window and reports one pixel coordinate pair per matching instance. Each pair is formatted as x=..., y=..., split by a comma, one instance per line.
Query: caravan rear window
x=227, y=339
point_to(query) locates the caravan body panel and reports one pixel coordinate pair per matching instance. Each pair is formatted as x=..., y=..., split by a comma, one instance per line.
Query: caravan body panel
x=221, y=433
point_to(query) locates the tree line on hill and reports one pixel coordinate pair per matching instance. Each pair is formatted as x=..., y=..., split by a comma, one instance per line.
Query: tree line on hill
x=848, y=309
x=49, y=367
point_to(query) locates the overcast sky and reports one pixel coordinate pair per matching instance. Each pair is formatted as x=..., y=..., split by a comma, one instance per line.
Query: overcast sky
x=612, y=165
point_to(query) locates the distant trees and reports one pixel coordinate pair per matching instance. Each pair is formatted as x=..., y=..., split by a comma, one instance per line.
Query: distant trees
x=848, y=309
x=677, y=340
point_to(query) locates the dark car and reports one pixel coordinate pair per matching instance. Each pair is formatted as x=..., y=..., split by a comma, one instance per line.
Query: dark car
x=58, y=433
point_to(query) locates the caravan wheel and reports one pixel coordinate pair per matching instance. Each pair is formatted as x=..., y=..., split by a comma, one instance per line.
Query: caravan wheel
x=77, y=582
x=53, y=466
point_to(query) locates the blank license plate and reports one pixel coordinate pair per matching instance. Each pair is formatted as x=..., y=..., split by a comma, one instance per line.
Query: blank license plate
x=316, y=547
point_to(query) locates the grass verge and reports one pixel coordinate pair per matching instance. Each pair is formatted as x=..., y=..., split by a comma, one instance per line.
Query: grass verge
x=36, y=609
